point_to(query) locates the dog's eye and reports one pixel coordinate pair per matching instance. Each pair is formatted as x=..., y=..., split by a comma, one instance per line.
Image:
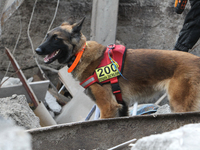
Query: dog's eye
x=55, y=38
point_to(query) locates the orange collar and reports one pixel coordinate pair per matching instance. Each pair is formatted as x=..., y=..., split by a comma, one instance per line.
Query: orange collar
x=78, y=57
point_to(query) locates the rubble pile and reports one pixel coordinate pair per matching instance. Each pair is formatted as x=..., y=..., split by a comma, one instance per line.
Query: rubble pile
x=17, y=108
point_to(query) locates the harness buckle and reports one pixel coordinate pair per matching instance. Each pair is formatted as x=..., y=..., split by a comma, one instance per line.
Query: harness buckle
x=111, y=46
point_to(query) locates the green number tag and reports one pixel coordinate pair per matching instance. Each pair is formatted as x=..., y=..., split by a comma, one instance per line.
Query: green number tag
x=107, y=72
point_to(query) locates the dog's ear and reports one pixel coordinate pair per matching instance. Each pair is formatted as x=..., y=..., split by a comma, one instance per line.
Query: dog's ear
x=77, y=26
x=65, y=23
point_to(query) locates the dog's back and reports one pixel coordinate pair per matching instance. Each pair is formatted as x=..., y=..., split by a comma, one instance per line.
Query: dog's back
x=148, y=71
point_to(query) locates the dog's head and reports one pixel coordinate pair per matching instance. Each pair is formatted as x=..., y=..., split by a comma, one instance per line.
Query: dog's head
x=62, y=42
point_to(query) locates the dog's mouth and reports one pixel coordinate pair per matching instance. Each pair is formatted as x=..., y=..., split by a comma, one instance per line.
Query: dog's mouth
x=51, y=57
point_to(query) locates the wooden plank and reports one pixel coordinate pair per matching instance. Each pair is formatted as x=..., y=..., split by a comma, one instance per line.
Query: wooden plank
x=39, y=88
x=104, y=21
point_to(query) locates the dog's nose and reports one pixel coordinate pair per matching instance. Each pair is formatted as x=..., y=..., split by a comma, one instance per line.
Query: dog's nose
x=38, y=50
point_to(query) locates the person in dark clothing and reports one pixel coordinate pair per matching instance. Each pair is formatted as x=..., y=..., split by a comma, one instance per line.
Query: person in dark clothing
x=190, y=32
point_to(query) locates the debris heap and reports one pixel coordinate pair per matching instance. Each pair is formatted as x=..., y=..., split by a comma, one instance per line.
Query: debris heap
x=16, y=108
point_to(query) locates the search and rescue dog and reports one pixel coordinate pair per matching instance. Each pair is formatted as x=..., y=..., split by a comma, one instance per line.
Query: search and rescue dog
x=145, y=71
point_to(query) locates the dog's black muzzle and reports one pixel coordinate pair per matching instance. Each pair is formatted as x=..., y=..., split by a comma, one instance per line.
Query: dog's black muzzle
x=38, y=51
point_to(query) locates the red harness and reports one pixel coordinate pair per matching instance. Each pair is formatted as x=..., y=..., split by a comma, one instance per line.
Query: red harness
x=117, y=52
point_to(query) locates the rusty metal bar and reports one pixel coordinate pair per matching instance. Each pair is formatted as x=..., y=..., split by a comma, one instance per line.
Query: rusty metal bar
x=22, y=78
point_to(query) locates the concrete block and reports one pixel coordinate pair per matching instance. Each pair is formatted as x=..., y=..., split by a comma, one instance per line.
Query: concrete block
x=76, y=110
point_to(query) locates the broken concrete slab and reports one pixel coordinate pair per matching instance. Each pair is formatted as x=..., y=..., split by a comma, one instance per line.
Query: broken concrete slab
x=70, y=83
x=39, y=88
x=76, y=110
x=17, y=108
x=51, y=102
x=164, y=109
x=8, y=81
x=79, y=106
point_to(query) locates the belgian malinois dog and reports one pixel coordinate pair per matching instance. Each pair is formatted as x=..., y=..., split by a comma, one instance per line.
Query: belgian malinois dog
x=146, y=71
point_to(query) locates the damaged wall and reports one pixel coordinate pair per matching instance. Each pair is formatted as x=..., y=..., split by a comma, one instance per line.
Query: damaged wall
x=42, y=18
x=141, y=24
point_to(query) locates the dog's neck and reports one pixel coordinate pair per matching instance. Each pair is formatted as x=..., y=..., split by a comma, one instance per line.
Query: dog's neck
x=77, y=59
x=76, y=49
x=79, y=44
x=89, y=59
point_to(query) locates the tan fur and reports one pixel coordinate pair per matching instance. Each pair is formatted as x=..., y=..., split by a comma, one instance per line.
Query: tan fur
x=146, y=71
x=90, y=61
x=66, y=26
x=105, y=100
x=176, y=72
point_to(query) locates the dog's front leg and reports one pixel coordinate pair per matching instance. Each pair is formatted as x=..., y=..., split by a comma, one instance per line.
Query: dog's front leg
x=105, y=100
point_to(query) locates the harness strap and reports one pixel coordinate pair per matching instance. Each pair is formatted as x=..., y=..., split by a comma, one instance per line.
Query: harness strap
x=89, y=81
x=116, y=89
x=114, y=81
